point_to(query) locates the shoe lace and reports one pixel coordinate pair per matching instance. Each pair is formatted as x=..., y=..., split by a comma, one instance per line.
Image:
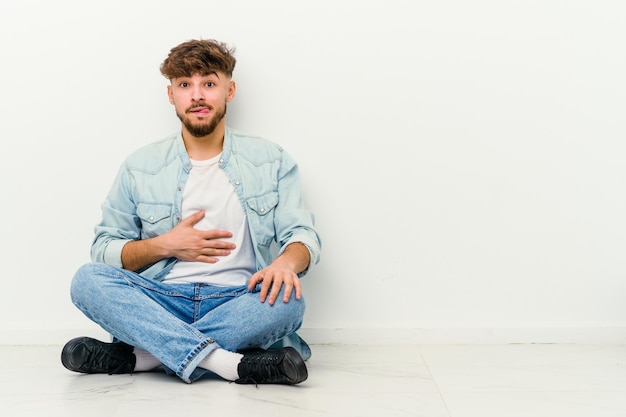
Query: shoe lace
x=112, y=361
x=261, y=368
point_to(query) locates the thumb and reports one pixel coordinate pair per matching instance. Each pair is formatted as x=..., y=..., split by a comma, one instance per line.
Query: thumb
x=194, y=218
x=254, y=279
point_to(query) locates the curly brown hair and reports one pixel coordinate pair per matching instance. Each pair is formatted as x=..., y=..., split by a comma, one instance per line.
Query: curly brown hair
x=199, y=56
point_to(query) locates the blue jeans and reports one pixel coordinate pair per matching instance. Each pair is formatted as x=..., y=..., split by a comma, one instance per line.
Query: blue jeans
x=180, y=324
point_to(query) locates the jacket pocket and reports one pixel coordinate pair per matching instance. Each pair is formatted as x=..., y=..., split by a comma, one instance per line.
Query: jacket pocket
x=262, y=216
x=155, y=218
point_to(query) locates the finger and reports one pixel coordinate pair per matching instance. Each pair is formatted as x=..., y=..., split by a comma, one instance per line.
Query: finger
x=297, y=287
x=254, y=279
x=276, y=286
x=207, y=259
x=298, y=290
x=265, y=288
x=216, y=234
x=218, y=245
x=288, y=290
x=212, y=251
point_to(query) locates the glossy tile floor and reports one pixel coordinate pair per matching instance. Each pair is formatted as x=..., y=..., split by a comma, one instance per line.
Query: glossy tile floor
x=426, y=380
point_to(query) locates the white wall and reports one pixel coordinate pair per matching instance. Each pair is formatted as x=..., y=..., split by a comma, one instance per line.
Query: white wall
x=465, y=158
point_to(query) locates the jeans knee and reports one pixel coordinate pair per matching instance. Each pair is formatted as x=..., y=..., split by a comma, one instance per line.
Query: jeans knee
x=82, y=284
x=290, y=313
x=79, y=282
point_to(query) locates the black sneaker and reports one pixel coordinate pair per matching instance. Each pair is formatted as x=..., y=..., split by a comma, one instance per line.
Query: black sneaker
x=280, y=366
x=91, y=356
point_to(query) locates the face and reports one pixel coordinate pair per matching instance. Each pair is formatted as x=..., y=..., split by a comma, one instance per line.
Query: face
x=200, y=101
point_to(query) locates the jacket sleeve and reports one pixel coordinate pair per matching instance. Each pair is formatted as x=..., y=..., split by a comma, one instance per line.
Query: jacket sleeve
x=293, y=221
x=119, y=223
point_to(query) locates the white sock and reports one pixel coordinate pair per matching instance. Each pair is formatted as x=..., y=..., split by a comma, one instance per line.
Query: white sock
x=223, y=362
x=145, y=361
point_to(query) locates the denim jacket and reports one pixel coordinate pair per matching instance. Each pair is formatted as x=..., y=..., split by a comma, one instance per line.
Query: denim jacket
x=146, y=197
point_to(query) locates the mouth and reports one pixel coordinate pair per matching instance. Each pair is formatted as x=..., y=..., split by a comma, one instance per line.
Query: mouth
x=199, y=111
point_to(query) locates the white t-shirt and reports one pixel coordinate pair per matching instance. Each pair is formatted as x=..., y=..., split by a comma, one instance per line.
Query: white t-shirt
x=208, y=189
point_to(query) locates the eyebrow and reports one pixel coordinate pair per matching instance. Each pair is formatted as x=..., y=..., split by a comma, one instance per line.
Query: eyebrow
x=211, y=73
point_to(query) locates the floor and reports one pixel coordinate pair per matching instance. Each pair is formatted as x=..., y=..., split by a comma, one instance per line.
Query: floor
x=426, y=380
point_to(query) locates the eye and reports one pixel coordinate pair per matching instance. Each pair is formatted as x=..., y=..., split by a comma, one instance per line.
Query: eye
x=210, y=84
x=184, y=84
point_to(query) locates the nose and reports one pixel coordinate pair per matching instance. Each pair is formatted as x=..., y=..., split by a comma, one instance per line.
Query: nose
x=197, y=94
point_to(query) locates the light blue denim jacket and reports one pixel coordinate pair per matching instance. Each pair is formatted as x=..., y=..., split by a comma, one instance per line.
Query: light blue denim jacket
x=146, y=197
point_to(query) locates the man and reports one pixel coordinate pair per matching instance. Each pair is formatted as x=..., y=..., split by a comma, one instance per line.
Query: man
x=203, y=239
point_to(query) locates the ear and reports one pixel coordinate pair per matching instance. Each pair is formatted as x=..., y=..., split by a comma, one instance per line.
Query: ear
x=170, y=95
x=232, y=87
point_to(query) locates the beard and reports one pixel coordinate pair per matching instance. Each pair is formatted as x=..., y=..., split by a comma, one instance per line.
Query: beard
x=203, y=129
